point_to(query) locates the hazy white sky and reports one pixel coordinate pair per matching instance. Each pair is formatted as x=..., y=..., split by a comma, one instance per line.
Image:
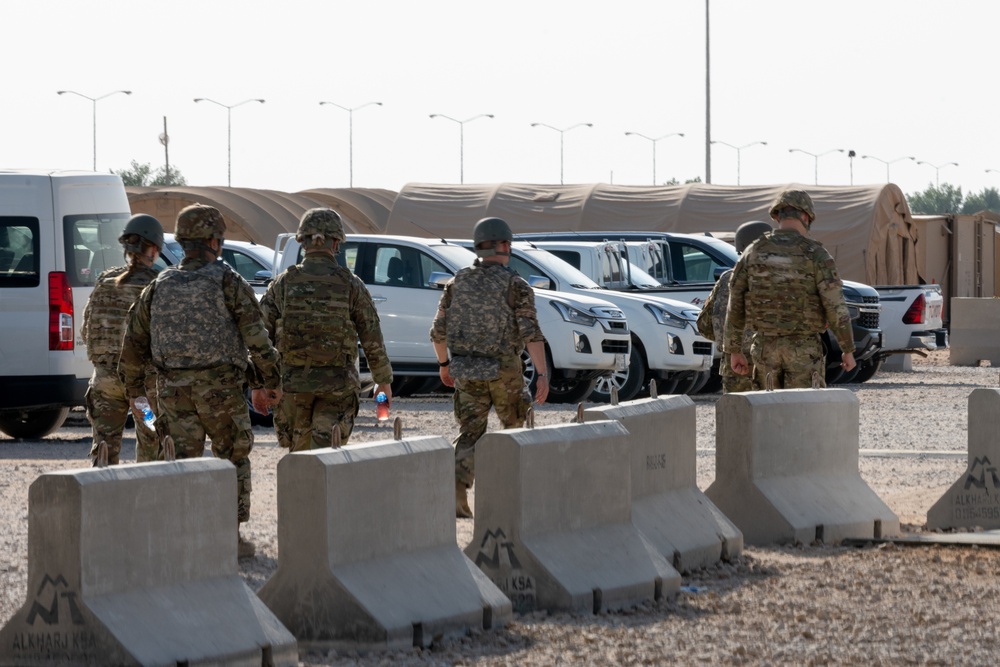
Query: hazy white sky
x=886, y=78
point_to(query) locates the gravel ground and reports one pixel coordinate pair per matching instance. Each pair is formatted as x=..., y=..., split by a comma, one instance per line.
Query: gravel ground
x=787, y=605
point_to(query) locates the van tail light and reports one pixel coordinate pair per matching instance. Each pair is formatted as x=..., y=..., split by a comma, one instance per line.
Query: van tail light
x=60, y=312
x=915, y=313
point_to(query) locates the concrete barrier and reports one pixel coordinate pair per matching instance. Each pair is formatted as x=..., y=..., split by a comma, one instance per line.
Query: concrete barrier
x=667, y=506
x=786, y=468
x=136, y=565
x=368, y=558
x=973, y=331
x=553, y=520
x=974, y=500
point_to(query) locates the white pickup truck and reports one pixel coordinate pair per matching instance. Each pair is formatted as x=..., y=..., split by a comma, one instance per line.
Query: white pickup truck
x=587, y=338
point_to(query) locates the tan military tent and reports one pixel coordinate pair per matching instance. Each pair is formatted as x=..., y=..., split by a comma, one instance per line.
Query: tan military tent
x=867, y=228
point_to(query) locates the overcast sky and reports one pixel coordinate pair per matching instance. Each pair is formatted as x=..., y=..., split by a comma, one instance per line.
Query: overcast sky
x=886, y=78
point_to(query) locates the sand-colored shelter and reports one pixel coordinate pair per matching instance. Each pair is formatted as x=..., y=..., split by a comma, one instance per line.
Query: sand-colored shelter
x=868, y=228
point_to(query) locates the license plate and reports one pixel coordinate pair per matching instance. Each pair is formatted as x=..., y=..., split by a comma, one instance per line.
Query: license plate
x=620, y=362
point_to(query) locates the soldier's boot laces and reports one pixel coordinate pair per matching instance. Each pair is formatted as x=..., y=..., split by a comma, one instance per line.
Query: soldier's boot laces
x=462, y=510
x=245, y=549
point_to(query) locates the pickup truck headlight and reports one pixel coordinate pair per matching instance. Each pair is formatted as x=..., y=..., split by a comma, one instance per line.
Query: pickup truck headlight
x=574, y=315
x=854, y=311
x=667, y=317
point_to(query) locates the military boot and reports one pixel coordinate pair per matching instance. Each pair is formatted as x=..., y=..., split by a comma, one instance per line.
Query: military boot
x=462, y=510
x=245, y=549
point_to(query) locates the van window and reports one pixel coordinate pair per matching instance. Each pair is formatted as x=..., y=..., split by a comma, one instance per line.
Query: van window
x=92, y=245
x=19, y=252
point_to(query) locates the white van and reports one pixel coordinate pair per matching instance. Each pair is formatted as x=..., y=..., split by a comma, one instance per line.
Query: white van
x=58, y=231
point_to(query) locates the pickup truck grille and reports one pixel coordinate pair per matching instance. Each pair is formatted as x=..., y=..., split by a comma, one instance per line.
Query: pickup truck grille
x=702, y=348
x=616, y=325
x=614, y=346
x=868, y=320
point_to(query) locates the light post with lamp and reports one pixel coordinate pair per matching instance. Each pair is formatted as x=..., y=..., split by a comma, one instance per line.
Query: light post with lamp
x=562, y=133
x=229, y=131
x=877, y=159
x=739, y=149
x=350, y=133
x=461, y=139
x=93, y=101
x=653, y=141
x=816, y=157
x=937, y=170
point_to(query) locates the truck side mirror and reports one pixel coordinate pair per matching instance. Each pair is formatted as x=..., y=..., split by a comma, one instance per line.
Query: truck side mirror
x=539, y=282
x=263, y=276
x=438, y=279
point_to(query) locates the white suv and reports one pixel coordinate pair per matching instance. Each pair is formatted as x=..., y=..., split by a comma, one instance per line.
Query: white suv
x=586, y=338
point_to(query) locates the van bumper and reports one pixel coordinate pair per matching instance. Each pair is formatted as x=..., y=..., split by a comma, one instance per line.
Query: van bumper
x=34, y=391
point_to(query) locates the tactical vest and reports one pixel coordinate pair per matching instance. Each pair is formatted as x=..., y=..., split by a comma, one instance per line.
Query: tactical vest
x=783, y=297
x=108, y=310
x=480, y=318
x=190, y=325
x=315, y=327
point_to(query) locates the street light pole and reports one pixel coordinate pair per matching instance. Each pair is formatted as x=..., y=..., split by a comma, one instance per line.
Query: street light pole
x=461, y=139
x=229, y=131
x=937, y=170
x=93, y=101
x=739, y=149
x=562, y=133
x=653, y=141
x=350, y=132
x=872, y=157
x=816, y=158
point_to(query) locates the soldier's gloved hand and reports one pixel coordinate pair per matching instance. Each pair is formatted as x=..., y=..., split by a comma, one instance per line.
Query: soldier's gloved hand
x=738, y=362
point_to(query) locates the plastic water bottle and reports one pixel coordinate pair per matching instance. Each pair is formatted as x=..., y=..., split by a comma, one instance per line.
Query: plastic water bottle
x=382, y=407
x=148, y=418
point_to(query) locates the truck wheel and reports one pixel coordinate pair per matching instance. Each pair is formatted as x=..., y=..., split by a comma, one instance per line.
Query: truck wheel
x=714, y=383
x=849, y=376
x=629, y=381
x=32, y=424
x=869, y=367
x=571, y=391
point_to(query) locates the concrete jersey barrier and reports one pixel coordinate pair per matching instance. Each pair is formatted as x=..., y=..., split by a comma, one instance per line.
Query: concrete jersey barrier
x=973, y=331
x=786, y=468
x=974, y=500
x=668, y=508
x=368, y=557
x=553, y=520
x=136, y=565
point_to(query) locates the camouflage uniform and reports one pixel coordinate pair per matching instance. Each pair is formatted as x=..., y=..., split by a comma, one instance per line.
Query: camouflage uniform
x=316, y=312
x=712, y=325
x=103, y=328
x=197, y=322
x=787, y=290
x=488, y=317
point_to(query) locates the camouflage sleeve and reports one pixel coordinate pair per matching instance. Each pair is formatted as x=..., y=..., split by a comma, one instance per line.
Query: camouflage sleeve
x=250, y=322
x=439, y=328
x=271, y=305
x=736, y=316
x=366, y=322
x=524, y=312
x=135, y=355
x=707, y=315
x=831, y=295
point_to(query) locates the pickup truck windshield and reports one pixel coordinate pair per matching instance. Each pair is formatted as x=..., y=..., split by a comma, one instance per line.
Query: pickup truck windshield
x=551, y=265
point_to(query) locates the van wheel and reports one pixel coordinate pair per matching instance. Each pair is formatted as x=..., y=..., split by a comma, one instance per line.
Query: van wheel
x=32, y=424
x=629, y=382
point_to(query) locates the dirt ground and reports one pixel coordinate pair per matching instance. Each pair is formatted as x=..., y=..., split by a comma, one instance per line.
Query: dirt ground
x=776, y=605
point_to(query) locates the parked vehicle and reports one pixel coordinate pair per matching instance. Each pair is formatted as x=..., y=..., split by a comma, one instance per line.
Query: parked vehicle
x=58, y=231
x=587, y=337
x=911, y=319
x=251, y=260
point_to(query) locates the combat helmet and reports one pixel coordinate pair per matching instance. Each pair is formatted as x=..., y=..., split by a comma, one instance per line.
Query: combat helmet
x=749, y=232
x=145, y=226
x=490, y=229
x=797, y=199
x=320, y=222
x=199, y=222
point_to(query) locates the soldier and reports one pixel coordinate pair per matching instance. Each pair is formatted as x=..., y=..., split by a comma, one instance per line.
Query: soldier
x=103, y=328
x=785, y=288
x=712, y=319
x=316, y=312
x=486, y=318
x=201, y=326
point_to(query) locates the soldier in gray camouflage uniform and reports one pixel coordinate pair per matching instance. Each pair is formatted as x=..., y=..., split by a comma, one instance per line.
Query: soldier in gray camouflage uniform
x=201, y=326
x=786, y=289
x=103, y=327
x=316, y=312
x=486, y=318
x=712, y=319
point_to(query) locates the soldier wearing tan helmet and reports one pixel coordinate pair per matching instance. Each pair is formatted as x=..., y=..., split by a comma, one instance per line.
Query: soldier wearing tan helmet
x=485, y=319
x=786, y=289
x=200, y=324
x=324, y=310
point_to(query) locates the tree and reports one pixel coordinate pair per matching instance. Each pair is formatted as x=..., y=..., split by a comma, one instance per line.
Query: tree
x=936, y=200
x=142, y=175
x=987, y=200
